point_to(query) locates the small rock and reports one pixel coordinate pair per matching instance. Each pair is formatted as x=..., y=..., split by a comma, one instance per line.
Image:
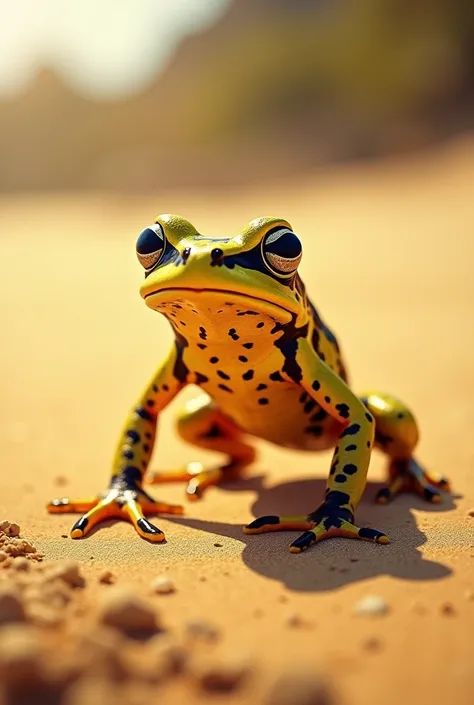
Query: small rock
x=223, y=674
x=69, y=572
x=10, y=528
x=300, y=688
x=372, y=644
x=20, y=655
x=21, y=563
x=293, y=619
x=11, y=606
x=470, y=512
x=200, y=629
x=163, y=585
x=64, y=536
x=218, y=545
x=130, y=614
x=447, y=609
x=107, y=577
x=372, y=606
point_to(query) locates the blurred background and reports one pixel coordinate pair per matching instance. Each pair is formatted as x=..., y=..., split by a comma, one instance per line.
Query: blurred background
x=147, y=94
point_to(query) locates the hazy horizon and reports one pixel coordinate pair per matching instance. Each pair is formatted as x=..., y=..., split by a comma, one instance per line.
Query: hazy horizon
x=99, y=56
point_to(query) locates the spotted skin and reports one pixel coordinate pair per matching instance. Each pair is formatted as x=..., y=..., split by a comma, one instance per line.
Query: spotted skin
x=269, y=367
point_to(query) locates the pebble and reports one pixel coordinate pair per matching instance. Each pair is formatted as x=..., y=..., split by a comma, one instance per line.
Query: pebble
x=127, y=612
x=372, y=644
x=447, y=609
x=300, y=688
x=20, y=655
x=293, y=619
x=107, y=577
x=10, y=528
x=69, y=572
x=220, y=674
x=163, y=585
x=218, y=545
x=11, y=606
x=372, y=605
x=470, y=512
x=201, y=629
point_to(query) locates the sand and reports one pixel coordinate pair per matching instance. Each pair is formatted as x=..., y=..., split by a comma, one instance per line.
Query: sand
x=388, y=259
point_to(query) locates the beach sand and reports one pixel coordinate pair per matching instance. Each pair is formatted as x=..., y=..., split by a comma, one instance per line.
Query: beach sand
x=388, y=260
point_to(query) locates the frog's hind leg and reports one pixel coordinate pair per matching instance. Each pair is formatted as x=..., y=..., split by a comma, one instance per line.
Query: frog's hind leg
x=396, y=434
x=201, y=423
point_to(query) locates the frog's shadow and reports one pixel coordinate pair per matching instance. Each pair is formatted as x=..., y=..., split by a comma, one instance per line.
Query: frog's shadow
x=335, y=562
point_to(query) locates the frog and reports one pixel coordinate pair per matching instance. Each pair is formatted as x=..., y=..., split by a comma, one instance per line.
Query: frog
x=268, y=368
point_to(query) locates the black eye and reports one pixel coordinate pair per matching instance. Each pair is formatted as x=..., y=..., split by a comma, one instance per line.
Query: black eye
x=150, y=246
x=282, y=251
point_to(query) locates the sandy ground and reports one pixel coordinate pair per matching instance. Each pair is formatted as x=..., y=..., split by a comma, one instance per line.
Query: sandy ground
x=389, y=256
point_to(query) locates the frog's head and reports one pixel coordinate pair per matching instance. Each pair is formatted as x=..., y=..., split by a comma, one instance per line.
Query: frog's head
x=253, y=271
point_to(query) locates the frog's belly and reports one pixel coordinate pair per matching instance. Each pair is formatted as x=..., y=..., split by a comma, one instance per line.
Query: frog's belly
x=288, y=417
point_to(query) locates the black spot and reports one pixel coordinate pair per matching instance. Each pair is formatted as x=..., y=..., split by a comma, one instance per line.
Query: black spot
x=350, y=469
x=185, y=254
x=309, y=406
x=216, y=255
x=143, y=414
x=133, y=435
x=369, y=417
x=303, y=398
x=222, y=375
x=319, y=416
x=242, y=358
x=247, y=313
x=343, y=410
x=261, y=386
x=233, y=334
x=146, y=447
x=340, y=478
x=226, y=389
x=247, y=345
x=182, y=323
x=200, y=378
x=276, y=377
x=202, y=333
x=260, y=325
x=248, y=375
x=150, y=402
x=314, y=430
x=165, y=387
x=155, y=388
x=400, y=415
x=263, y=401
x=327, y=400
x=368, y=444
x=214, y=360
x=351, y=447
x=129, y=454
x=147, y=435
x=316, y=385
x=350, y=430
x=201, y=346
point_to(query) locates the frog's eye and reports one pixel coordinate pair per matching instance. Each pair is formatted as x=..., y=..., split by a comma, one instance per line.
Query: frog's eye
x=150, y=246
x=282, y=251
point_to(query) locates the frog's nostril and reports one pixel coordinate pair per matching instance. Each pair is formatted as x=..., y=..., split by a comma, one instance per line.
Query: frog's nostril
x=185, y=254
x=216, y=254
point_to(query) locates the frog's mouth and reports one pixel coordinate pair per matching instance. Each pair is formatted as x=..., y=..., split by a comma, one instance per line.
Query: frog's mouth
x=209, y=299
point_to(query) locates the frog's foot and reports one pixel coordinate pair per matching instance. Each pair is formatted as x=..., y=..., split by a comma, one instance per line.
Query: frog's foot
x=119, y=502
x=409, y=476
x=198, y=477
x=324, y=523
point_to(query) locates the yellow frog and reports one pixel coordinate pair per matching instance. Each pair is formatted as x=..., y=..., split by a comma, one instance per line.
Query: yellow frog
x=247, y=334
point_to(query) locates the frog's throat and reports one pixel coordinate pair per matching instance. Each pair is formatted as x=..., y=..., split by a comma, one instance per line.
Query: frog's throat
x=275, y=311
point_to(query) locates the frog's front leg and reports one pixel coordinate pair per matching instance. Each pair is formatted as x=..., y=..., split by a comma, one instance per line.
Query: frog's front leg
x=125, y=497
x=203, y=424
x=348, y=473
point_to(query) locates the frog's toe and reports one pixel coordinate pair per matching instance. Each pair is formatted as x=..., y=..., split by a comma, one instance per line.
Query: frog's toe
x=409, y=476
x=345, y=529
x=266, y=524
x=64, y=505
